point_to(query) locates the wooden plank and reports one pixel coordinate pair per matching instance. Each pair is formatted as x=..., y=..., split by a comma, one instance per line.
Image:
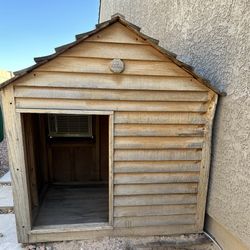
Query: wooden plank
x=205, y=164
x=112, y=50
x=158, y=130
x=166, y=188
x=159, y=118
x=37, y=103
x=116, y=33
x=157, y=142
x=156, y=199
x=28, y=128
x=158, y=154
x=62, y=204
x=107, y=94
x=154, y=210
x=128, y=222
x=137, y=178
x=111, y=176
x=112, y=81
x=47, y=235
x=156, y=166
x=101, y=66
x=19, y=179
x=43, y=147
x=97, y=147
x=61, y=111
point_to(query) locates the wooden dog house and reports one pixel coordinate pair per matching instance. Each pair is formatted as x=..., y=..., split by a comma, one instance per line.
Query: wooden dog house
x=108, y=136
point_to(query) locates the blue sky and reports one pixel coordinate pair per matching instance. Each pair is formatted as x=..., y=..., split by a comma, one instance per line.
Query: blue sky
x=31, y=28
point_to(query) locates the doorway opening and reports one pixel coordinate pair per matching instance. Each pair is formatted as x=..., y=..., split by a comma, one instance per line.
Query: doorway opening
x=68, y=168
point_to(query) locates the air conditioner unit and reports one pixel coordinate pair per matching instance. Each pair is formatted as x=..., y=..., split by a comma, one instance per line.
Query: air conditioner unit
x=70, y=125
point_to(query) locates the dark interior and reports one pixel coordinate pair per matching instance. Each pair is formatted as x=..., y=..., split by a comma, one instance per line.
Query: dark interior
x=68, y=175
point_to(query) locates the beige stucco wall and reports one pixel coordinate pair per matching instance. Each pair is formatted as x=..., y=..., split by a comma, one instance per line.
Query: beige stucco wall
x=214, y=37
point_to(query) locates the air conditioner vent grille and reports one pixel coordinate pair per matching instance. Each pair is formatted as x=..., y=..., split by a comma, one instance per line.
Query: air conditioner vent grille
x=70, y=126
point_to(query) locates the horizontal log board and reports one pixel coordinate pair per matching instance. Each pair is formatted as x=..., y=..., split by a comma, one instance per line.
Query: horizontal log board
x=159, y=118
x=38, y=103
x=154, y=220
x=158, y=130
x=155, y=178
x=38, y=235
x=156, y=199
x=96, y=66
x=112, y=81
x=107, y=94
x=156, y=166
x=117, y=33
x=157, y=154
x=154, y=210
x=157, y=142
x=116, y=50
x=166, y=188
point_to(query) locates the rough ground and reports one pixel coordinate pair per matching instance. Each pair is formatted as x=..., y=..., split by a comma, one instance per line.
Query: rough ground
x=129, y=243
x=4, y=166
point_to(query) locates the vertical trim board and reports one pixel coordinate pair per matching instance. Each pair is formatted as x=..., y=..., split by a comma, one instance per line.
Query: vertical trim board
x=13, y=129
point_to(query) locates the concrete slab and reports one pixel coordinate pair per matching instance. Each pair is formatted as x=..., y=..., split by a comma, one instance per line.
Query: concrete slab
x=8, y=241
x=6, y=197
x=6, y=179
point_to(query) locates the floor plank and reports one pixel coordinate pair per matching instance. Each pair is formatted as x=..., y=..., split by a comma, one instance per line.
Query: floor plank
x=73, y=204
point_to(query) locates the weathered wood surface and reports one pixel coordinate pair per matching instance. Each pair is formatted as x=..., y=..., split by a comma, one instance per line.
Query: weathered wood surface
x=159, y=199
x=110, y=105
x=107, y=94
x=156, y=166
x=157, y=142
x=154, y=220
x=156, y=154
x=110, y=81
x=158, y=130
x=111, y=168
x=165, y=188
x=29, y=139
x=137, y=178
x=19, y=179
x=101, y=66
x=109, y=50
x=77, y=205
x=117, y=33
x=154, y=210
x=95, y=232
x=159, y=118
x=205, y=164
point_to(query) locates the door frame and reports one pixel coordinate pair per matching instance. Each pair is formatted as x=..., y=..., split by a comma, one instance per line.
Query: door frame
x=83, y=226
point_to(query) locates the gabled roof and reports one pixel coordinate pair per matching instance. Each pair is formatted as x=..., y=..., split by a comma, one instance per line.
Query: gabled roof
x=115, y=18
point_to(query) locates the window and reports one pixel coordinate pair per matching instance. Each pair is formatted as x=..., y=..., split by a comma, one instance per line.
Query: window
x=70, y=125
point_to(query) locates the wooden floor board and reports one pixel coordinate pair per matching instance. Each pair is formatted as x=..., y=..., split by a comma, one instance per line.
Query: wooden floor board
x=73, y=205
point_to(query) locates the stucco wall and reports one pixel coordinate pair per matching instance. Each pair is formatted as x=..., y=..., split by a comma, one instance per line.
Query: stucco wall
x=214, y=37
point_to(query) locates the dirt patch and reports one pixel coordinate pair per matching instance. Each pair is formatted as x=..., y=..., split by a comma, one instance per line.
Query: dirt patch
x=126, y=243
x=4, y=164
